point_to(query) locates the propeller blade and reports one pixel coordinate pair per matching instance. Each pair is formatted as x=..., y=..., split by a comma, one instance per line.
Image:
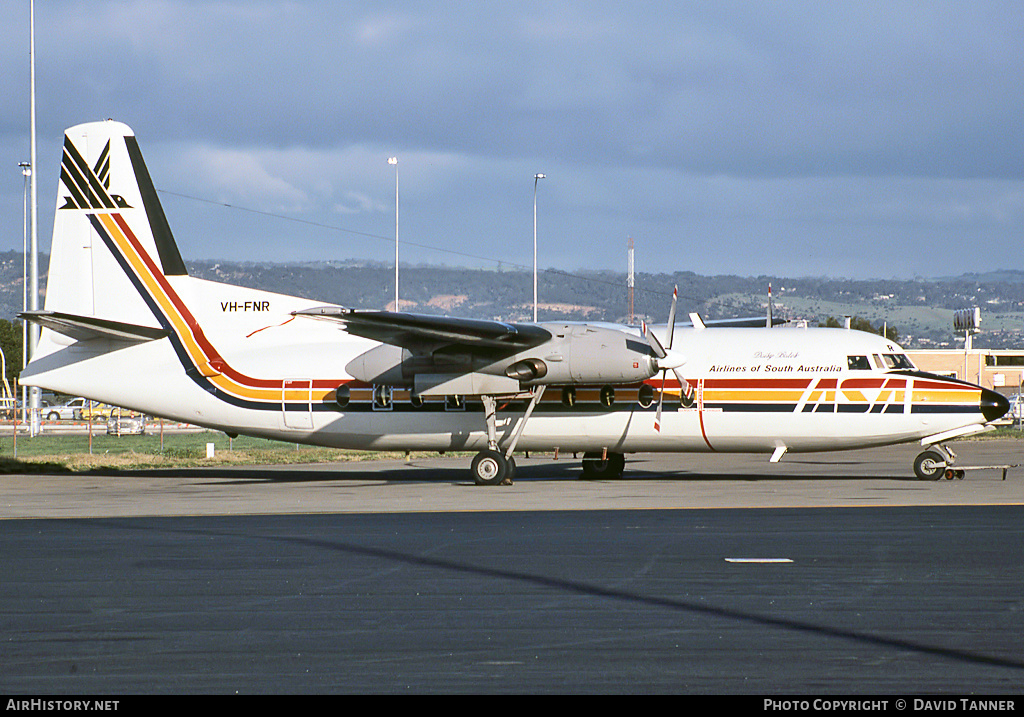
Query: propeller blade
x=670, y=330
x=661, y=400
x=655, y=344
x=685, y=389
x=668, y=359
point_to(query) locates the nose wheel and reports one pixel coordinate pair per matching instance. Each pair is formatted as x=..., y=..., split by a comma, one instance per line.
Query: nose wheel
x=934, y=463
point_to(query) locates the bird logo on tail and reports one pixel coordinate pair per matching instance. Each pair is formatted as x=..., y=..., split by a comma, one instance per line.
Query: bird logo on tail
x=88, y=187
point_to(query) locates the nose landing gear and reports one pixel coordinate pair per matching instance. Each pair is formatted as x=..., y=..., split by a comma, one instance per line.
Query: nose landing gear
x=935, y=463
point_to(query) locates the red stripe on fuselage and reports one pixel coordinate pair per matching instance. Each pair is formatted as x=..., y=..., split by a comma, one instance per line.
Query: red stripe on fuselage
x=212, y=355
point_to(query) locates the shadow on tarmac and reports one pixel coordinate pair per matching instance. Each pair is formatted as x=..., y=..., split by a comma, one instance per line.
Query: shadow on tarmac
x=637, y=469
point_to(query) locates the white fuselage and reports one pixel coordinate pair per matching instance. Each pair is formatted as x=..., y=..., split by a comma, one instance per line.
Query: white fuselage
x=262, y=371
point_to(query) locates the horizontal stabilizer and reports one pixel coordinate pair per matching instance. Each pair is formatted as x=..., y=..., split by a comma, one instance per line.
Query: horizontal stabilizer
x=84, y=328
x=418, y=330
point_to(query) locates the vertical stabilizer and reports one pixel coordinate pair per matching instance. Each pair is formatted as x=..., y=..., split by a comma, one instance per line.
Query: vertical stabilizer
x=106, y=202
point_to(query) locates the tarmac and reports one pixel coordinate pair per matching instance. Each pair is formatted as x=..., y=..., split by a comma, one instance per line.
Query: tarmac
x=835, y=574
x=877, y=477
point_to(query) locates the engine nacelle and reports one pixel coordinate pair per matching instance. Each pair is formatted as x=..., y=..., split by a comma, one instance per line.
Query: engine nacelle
x=584, y=354
x=576, y=354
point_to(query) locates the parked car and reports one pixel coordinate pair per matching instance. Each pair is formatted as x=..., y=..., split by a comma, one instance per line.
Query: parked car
x=1016, y=411
x=69, y=411
x=123, y=422
x=1015, y=415
x=96, y=411
x=8, y=407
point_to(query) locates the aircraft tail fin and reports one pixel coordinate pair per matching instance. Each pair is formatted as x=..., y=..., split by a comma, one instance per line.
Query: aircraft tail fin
x=108, y=219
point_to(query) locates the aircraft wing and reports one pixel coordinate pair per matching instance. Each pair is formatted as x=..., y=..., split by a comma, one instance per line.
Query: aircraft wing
x=416, y=331
x=752, y=322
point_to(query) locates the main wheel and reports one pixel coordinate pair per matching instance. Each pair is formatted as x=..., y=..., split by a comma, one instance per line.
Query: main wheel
x=930, y=465
x=596, y=467
x=52, y=416
x=489, y=468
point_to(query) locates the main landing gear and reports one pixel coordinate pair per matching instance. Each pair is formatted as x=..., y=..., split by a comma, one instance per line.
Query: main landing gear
x=492, y=466
x=495, y=466
x=603, y=465
x=935, y=463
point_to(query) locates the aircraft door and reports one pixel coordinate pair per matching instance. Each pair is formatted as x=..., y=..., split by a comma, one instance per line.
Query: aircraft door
x=297, y=402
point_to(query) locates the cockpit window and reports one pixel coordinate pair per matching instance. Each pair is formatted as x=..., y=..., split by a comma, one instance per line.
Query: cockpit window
x=894, y=361
x=858, y=363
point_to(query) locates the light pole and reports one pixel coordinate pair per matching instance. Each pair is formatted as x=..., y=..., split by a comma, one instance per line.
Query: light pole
x=536, y=178
x=26, y=171
x=394, y=161
x=33, y=299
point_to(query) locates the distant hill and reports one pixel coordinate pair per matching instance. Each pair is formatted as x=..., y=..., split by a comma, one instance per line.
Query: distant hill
x=1012, y=276
x=920, y=310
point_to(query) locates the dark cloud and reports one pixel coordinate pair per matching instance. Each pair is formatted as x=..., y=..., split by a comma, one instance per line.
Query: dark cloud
x=729, y=137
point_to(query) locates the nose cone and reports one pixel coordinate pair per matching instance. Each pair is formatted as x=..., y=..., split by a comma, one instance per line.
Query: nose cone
x=993, y=405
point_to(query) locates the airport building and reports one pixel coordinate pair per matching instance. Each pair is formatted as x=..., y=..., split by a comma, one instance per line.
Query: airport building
x=1001, y=370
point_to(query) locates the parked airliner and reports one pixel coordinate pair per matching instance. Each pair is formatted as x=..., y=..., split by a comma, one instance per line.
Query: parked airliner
x=124, y=323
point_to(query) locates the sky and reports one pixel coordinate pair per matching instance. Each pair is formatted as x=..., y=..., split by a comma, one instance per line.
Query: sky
x=855, y=139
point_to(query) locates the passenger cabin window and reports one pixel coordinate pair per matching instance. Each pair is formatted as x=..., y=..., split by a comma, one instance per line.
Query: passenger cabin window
x=858, y=363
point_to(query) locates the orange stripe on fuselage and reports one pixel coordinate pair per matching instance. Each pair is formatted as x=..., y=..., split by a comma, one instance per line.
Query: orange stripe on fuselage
x=197, y=346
